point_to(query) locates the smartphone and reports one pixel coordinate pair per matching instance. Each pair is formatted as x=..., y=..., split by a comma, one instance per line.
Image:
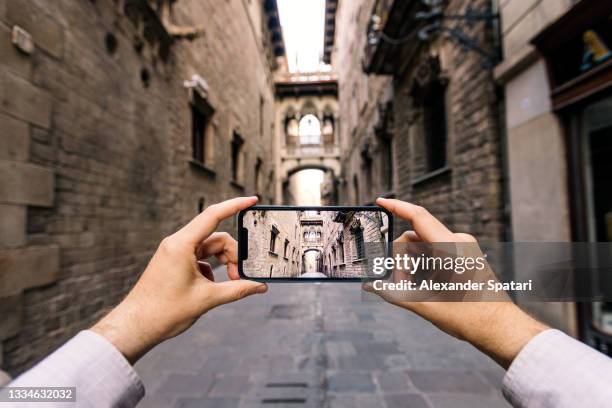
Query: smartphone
x=287, y=243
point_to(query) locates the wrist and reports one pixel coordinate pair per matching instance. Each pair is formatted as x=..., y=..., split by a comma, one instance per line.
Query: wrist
x=504, y=333
x=124, y=332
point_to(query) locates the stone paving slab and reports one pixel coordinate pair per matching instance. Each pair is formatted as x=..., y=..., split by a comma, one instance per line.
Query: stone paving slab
x=317, y=345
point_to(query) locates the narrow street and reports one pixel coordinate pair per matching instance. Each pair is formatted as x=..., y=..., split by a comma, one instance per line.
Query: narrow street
x=317, y=345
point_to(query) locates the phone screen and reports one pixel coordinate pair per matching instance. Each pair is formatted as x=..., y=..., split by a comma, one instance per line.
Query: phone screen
x=317, y=243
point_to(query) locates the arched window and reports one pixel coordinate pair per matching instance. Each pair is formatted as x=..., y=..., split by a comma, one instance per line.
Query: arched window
x=292, y=130
x=328, y=129
x=310, y=130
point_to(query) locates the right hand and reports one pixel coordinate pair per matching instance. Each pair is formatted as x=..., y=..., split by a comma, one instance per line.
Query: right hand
x=499, y=329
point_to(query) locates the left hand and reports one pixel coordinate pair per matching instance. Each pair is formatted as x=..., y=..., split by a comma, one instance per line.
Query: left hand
x=174, y=290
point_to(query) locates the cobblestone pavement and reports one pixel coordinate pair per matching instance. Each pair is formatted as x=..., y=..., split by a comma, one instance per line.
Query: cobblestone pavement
x=310, y=345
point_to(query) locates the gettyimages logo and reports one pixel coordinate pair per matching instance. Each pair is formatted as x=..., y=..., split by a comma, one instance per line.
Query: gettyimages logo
x=422, y=262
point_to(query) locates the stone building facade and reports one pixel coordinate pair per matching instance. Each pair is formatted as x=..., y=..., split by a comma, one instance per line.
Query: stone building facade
x=421, y=120
x=350, y=240
x=119, y=121
x=307, y=135
x=275, y=244
x=362, y=99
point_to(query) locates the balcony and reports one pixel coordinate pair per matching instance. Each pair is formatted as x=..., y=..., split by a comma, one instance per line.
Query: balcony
x=391, y=20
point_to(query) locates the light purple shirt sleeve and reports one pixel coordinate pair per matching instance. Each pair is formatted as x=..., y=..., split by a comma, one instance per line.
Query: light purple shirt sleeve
x=101, y=374
x=554, y=370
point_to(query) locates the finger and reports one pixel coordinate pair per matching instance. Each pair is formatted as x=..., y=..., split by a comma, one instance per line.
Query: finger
x=225, y=248
x=465, y=237
x=206, y=222
x=232, y=271
x=369, y=287
x=221, y=245
x=425, y=225
x=231, y=291
x=408, y=236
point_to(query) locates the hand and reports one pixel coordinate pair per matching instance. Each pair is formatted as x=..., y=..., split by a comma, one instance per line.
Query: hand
x=174, y=290
x=499, y=329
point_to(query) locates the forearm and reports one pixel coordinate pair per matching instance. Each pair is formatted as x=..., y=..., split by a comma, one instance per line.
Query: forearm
x=122, y=328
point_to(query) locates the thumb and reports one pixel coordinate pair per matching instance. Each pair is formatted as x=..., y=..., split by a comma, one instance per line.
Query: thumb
x=231, y=291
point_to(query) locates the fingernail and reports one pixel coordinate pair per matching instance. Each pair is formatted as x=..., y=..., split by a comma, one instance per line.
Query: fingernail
x=367, y=286
x=263, y=288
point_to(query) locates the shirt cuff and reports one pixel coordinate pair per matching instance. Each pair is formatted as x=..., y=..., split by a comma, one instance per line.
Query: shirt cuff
x=555, y=370
x=101, y=374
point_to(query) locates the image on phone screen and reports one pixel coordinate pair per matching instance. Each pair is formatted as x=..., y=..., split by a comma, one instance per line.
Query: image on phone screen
x=312, y=242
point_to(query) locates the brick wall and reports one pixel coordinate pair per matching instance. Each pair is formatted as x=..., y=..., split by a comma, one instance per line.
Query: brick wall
x=262, y=261
x=359, y=98
x=467, y=195
x=95, y=149
x=339, y=232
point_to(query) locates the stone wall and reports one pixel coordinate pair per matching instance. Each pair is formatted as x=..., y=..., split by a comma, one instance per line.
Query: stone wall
x=264, y=262
x=95, y=150
x=360, y=98
x=339, y=251
x=466, y=194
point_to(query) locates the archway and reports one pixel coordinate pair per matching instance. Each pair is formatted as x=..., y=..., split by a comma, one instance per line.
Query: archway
x=312, y=264
x=304, y=187
x=311, y=184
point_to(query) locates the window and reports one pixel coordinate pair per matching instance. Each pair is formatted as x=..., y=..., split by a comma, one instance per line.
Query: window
x=285, y=248
x=262, y=104
x=386, y=163
x=310, y=130
x=237, y=158
x=359, y=244
x=328, y=129
x=258, y=164
x=334, y=254
x=201, y=138
x=340, y=251
x=368, y=170
x=435, y=127
x=273, y=235
x=292, y=131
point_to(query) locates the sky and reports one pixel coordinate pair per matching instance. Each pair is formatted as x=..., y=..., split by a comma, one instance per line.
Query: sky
x=305, y=187
x=303, y=26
